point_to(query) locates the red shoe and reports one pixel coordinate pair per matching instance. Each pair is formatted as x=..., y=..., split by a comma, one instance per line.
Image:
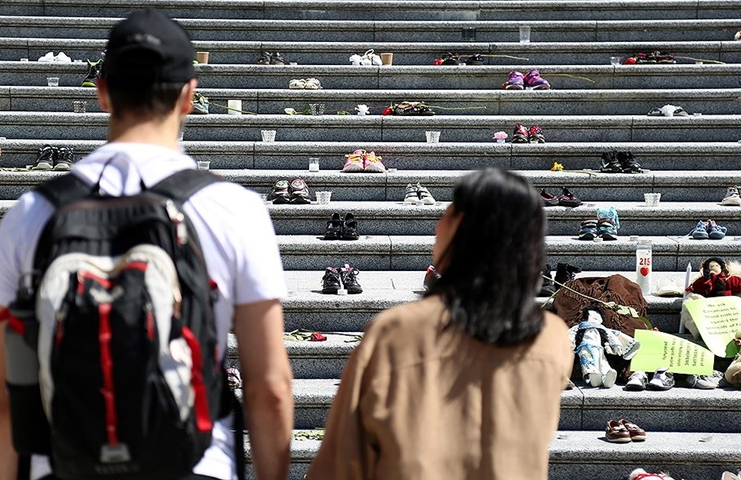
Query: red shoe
x=535, y=135
x=520, y=134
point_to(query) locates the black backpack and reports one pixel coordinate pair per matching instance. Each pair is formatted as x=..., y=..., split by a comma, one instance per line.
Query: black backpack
x=119, y=314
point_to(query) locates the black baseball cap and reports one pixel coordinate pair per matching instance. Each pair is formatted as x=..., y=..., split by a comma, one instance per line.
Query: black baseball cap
x=149, y=47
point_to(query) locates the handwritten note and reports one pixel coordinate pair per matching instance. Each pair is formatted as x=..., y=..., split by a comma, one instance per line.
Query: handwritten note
x=662, y=350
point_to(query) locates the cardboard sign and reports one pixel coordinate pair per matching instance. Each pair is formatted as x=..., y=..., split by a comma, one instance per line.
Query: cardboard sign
x=662, y=350
x=717, y=319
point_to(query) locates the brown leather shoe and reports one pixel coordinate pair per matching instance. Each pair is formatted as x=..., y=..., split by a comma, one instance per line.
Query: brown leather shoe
x=637, y=434
x=616, y=432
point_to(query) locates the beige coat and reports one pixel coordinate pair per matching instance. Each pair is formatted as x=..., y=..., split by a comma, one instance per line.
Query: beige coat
x=419, y=401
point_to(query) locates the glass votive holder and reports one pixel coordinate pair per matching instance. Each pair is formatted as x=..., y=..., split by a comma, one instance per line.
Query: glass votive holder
x=79, y=106
x=313, y=164
x=652, y=199
x=24, y=59
x=432, y=137
x=614, y=61
x=268, y=135
x=524, y=34
x=52, y=81
x=203, y=164
x=323, y=198
x=317, y=108
x=234, y=107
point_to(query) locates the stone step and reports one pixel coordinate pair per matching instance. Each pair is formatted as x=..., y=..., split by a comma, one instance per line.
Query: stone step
x=675, y=186
x=493, y=101
x=399, y=252
x=306, y=307
x=455, y=128
x=666, y=160
x=389, y=30
x=394, y=10
x=601, y=75
x=405, y=53
x=681, y=409
x=585, y=455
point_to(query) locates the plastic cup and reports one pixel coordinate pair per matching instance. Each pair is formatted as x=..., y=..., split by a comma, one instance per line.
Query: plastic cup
x=524, y=34
x=203, y=164
x=202, y=57
x=52, y=81
x=268, y=135
x=615, y=61
x=313, y=164
x=317, y=108
x=79, y=106
x=432, y=137
x=652, y=199
x=235, y=107
x=387, y=58
x=323, y=197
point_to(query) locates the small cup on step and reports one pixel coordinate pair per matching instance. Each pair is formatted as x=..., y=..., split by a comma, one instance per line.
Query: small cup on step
x=323, y=198
x=79, y=106
x=235, y=107
x=203, y=164
x=387, y=58
x=652, y=199
x=524, y=34
x=432, y=137
x=268, y=135
x=52, y=81
x=317, y=108
x=202, y=57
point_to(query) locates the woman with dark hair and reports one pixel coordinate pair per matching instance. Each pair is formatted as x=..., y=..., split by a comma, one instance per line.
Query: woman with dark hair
x=465, y=383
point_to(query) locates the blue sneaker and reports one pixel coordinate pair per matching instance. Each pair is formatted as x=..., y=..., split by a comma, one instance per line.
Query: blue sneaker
x=701, y=231
x=715, y=231
x=588, y=230
x=607, y=229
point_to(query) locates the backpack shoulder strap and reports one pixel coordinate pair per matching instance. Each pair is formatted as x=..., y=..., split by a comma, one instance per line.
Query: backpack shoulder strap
x=180, y=186
x=63, y=190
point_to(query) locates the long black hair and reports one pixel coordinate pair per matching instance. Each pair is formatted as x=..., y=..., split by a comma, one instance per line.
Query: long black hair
x=493, y=264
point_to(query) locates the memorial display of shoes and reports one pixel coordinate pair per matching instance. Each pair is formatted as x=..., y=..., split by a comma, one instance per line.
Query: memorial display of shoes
x=305, y=84
x=417, y=194
x=732, y=197
x=708, y=230
x=566, y=199
x=54, y=158
x=522, y=134
x=341, y=229
x=653, y=57
x=94, y=70
x=363, y=161
x=668, y=111
x=199, y=104
x=529, y=81
x=369, y=58
x=267, y=58
x=294, y=192
x=606, y=225
x=58, y=58
x=341, y=280
x=619, y=162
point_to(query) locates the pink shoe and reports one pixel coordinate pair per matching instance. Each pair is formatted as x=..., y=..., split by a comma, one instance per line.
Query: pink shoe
x=516, y=81
x=533, y=81
x=373, y=163
x=354, y=161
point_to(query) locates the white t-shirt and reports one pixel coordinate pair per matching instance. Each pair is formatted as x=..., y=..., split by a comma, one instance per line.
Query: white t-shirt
x=234, y=229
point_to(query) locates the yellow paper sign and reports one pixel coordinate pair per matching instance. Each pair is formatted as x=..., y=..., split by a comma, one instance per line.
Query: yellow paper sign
x=662, y=350
x=717, y=319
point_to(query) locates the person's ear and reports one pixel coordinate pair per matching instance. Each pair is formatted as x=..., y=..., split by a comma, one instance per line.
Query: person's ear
x=101, y=88
x=185, y=102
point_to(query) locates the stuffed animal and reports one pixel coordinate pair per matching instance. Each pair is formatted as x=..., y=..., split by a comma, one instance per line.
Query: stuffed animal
x=641, y=474
x=716, y=280
x=737, y=36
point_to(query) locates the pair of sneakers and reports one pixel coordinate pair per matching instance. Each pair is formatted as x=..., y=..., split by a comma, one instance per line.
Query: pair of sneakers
x=58, y=58
x=305, y=84
x=522, y=134
x=342, y=278
x=341, y=229
x=662, y=380
x=417, y=193
x=54, y=158
x=268, y=58
x=620, y=162
x=606, y=225
x=295, y=192
x=529, y=81
x=708, y=229
x=566, y=199
x=362, y=161
x=732, y=197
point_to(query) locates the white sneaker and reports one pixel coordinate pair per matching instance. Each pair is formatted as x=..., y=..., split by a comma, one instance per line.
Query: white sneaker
x=411, y=195
x=49, y=57
x=425, y=195
x=62, y=58
x=732, y=197
x=608, y=381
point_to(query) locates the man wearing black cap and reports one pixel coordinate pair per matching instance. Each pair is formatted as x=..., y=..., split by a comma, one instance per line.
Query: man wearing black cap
x=147, y=84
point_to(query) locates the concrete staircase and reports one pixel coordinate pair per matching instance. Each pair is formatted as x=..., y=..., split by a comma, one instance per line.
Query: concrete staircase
x=594, y=107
